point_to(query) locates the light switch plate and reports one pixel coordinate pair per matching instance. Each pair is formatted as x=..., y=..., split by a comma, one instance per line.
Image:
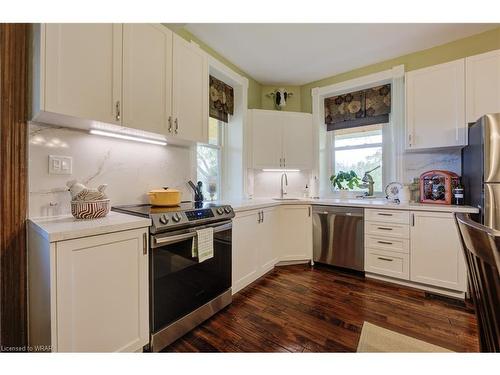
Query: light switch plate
x=59, y=164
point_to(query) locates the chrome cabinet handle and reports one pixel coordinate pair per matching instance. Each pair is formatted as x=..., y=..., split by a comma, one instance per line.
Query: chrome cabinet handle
x=386, y=259
x=384, y=214
x=262, y=216
x=170, y=124
x=412, y=219
x=258, y=217
x=117, y=111
x=176, y=125
x=385, y=242
x=409, y=140
x=145, y=243
x=384, y=228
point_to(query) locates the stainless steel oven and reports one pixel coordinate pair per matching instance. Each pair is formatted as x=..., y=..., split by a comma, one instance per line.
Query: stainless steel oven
x=183, y=291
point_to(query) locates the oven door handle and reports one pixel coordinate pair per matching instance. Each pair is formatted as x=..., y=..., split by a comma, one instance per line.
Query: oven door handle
x=181, y=237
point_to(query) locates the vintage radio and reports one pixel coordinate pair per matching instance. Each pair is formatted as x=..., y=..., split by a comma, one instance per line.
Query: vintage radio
x=437, y=186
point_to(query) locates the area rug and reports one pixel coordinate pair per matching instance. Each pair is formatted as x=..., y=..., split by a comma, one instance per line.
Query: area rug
x=375, y=339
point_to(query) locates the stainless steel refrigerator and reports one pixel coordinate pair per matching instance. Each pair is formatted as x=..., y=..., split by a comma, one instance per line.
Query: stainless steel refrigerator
x=481, y=169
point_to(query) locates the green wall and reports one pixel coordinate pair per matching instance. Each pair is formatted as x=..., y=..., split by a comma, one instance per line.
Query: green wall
x=473, y=45
x=292, y=104
x=302, y=100
x=254, y=87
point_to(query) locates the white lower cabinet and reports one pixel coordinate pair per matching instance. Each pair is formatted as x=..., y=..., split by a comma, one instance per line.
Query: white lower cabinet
x=436, y=251
x=268, y=241
x=246, y=229
x=296, y=233
x=419, y=247
x=95, y=293
x=264, y=237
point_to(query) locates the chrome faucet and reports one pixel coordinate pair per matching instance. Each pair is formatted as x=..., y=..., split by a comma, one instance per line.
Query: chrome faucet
x=368, y=182
x=283, y=188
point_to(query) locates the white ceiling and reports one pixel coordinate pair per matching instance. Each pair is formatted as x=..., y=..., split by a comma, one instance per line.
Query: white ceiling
x=296, y=54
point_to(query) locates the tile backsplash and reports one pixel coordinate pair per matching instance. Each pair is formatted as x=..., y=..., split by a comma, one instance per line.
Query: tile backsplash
x=417, y=163
x=129, y=168
x=267, y=184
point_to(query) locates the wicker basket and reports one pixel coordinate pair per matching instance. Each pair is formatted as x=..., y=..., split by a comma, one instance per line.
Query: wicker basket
x=90, y=209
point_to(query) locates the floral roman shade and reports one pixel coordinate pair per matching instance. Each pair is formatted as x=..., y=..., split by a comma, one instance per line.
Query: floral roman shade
x=221, y=100
x=364, y=107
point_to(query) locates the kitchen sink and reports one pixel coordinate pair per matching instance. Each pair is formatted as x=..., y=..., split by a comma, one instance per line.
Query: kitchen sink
x=286, y=199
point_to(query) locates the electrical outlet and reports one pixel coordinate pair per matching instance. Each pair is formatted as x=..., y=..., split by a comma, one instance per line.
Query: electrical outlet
x=60, y=164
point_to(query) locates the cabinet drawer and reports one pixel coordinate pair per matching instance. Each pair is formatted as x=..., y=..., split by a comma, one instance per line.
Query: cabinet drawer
x=387, y=263
x=388, y=216
x=387, y=230
x=387, y=243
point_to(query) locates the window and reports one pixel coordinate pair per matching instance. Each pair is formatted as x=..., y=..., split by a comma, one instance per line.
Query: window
x=359, y=149
x=209, y=160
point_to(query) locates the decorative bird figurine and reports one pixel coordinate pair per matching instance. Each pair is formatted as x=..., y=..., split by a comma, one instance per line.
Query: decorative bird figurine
x=79, y=192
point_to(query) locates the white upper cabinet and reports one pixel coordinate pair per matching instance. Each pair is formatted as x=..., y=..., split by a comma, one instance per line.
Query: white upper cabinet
x=435, y=106
x=298, y=140
x=147, y=77
x=281, y=139
x=190, y=91
x=482, y=74
x=80, y=71
x=267, y=139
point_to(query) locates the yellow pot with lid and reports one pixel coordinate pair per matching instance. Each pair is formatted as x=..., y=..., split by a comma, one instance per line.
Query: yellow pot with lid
x=165, y=197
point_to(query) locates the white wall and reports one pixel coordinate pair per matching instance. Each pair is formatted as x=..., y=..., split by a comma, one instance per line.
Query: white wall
x=129, y=168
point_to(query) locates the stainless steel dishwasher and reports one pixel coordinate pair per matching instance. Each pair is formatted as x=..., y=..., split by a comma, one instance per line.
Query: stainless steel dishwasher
x=338, y=236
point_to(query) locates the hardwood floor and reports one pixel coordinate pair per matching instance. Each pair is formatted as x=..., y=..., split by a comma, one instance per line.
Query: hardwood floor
x=303, y=309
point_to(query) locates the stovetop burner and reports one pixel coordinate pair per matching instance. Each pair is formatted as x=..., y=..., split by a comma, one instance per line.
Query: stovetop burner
x=186, y=214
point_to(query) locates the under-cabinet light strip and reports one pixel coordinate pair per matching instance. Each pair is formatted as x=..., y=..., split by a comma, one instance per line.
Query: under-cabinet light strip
x=281, y=170
x=128, y=137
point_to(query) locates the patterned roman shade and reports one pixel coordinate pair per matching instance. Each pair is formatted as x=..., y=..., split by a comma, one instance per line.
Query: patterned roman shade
x=221, y=100
x=365, y=107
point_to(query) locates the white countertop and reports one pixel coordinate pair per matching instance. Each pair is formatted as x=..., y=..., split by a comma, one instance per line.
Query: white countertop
x=379, y=203
x=60, y=228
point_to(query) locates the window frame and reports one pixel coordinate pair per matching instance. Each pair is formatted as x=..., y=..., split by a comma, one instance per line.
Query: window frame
x=332, y=149
x=220, y=157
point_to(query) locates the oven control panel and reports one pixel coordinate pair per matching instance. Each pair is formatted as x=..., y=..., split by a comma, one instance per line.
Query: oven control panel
x=199, y=214
x=172, y=220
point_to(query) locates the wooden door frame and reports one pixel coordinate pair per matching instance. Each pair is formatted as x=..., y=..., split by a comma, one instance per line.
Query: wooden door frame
x=14, y=98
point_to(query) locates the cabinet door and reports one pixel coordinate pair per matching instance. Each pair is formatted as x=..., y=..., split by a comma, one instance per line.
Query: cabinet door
x=83, y=70
x=246, y=243
x=482, y=85
x=102, y=293
x=436, y=251
x=266, y=139
x=297, y=140
x=147, y=77
x=268, y=254
x=435, y=106
x=190, y=91
x=296, y=233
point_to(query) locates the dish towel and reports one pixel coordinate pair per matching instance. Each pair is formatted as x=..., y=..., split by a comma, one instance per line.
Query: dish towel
x=203, y=244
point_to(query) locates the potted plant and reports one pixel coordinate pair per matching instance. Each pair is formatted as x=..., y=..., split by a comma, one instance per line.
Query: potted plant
x=344, y=181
